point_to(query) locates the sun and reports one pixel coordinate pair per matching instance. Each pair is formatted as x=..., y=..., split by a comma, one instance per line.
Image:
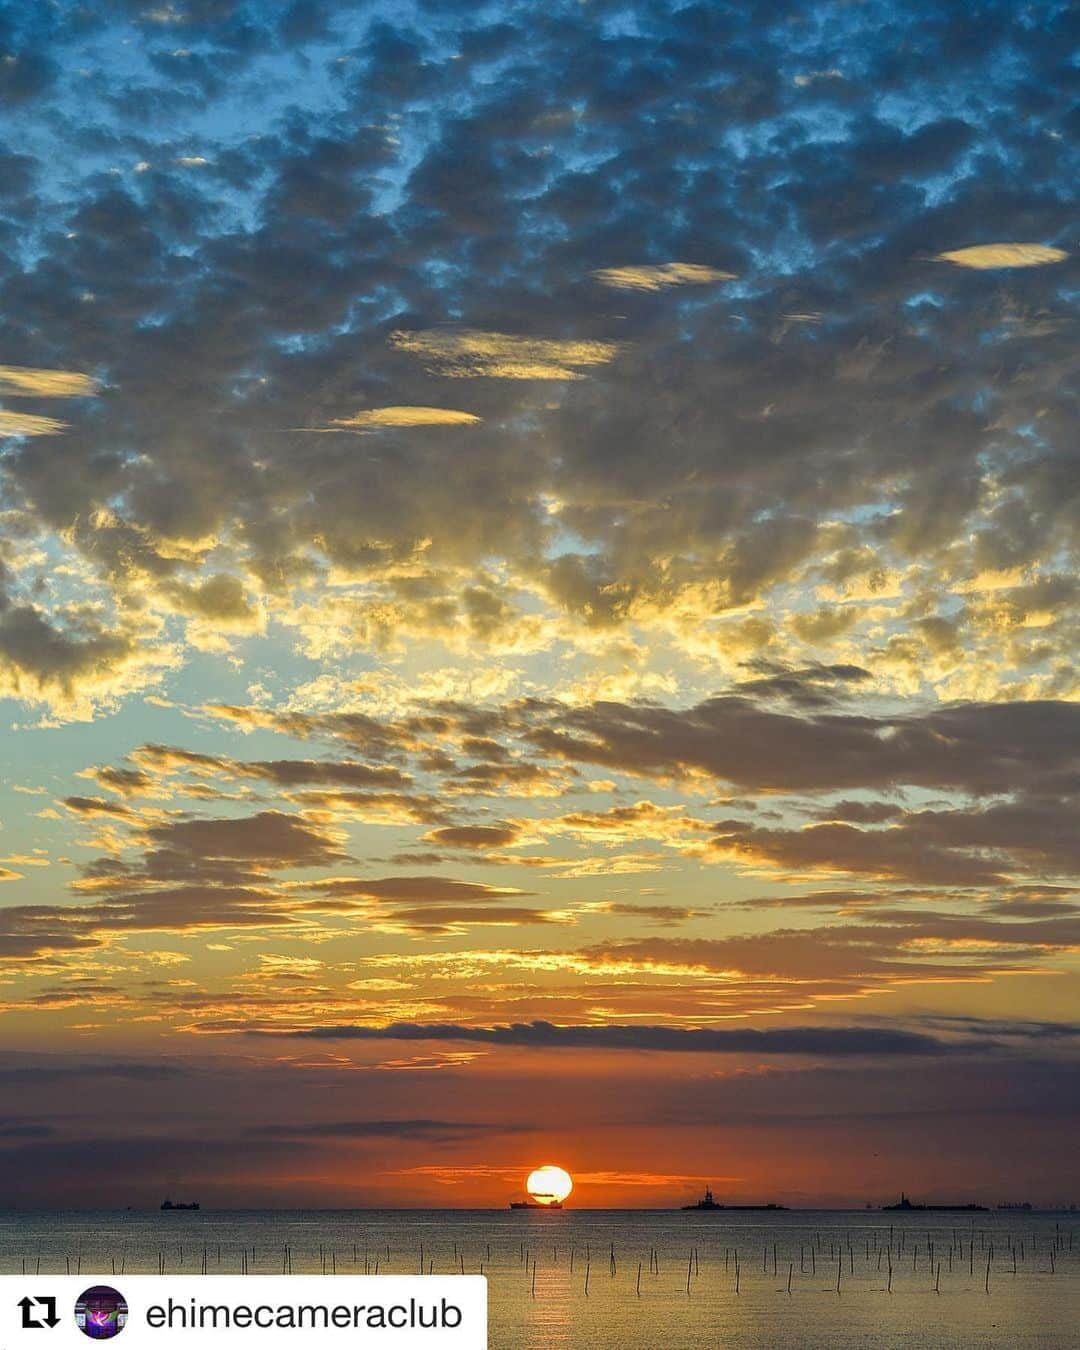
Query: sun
x=549, y=1185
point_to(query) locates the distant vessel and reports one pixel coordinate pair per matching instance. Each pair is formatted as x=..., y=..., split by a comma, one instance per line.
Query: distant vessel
x=1017, y=1204
x=531, y=1204
x=905, y=1204
x=168, y=1204
x=709, y=1201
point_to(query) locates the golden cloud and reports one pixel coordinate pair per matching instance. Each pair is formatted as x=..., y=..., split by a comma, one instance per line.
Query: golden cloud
x=28, y=382
x=417, y=415
x=469, y=353
x=660, y=276
x=27, y=424
x=986, y=256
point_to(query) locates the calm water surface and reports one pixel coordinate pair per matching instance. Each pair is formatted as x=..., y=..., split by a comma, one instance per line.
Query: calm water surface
x=537, y=1264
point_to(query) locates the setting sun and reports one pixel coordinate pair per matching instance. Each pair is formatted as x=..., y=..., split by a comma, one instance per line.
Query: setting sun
x=549, y=1185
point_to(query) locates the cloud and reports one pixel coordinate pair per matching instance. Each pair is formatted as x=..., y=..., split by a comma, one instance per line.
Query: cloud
x=469, y=353
x=376, y=419
x=26, y=382
x=981, y=748
x=660, y=276
x=435, y=1130
x=73, y=667
x=267, y=839
x=826, y=1042
x=29, y=424
x=473, y=836
x=221, y=600
x=986, y=256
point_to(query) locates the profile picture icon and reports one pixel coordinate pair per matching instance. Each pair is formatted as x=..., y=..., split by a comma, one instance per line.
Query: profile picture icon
x=101, y=1313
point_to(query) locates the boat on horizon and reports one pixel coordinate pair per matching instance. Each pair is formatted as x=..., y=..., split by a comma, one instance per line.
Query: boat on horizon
x=709, y=1202
x=905, y=1205
x=169, y=1204
x=532, y=1204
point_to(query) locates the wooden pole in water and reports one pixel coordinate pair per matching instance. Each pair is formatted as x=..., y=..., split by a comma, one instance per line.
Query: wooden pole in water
x=937, y=1281
x=639, y=1279
x=689, y=1271
x=588, y=1267
x=790, y=1269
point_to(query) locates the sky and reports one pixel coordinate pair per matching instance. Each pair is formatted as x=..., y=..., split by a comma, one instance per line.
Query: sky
x=538, y=601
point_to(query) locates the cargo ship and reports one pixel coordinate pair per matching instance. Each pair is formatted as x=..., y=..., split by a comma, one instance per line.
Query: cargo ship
x=709, y=1202
x=169, y=1204
x=905, y=1205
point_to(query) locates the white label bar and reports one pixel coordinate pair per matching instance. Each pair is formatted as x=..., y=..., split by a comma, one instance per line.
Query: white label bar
x=323, y=1312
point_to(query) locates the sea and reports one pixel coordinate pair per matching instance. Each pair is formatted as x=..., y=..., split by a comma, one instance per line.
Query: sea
x=636, y=1279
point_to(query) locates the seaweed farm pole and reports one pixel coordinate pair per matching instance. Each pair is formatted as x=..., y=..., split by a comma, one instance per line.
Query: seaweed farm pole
x=689, y=1271
x=989, y=1258
x=639, y=1279
x=937, y=1281
x=890, y=1271
x=839, y=1267
x=791, y=1267
x=588, y=1267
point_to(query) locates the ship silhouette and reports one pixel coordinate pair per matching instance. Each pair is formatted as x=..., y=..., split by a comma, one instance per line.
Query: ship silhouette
x=709, y=1202
x=168, y=1204
x=905, y=1205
